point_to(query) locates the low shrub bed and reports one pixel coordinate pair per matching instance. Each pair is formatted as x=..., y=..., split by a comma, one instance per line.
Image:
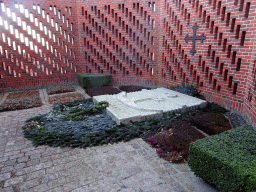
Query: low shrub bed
x=21, y=100
x=173, y=144
x=227, y=160
x=132, y=88
x=103, y=90
x=188, y=89
x=81, y=124
x=61, y=88
x=97, y=128
x=211, y=123
x=58, y=99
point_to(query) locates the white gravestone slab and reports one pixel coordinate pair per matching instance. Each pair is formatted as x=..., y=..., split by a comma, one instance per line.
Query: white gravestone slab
x=140, y=105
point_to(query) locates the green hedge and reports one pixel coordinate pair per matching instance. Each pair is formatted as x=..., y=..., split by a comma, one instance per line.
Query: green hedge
x=227, y=160
x=87, y=80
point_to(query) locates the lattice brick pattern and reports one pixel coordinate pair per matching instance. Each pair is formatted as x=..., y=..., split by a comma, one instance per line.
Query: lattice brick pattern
x=117, y=39
x=222, y=63
x=211, y=67
x=35, y=43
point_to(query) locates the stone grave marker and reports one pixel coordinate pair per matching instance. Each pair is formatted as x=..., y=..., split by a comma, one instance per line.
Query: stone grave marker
x=136, y=106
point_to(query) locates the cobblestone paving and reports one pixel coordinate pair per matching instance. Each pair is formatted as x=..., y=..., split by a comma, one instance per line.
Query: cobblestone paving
x=126, y=167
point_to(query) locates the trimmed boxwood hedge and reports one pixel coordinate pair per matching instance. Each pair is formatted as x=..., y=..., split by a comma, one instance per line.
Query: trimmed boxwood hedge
x=87, y=80
x=227, y=160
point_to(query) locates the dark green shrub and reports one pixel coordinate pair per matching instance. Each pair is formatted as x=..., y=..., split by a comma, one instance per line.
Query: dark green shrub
x=227, y=160
x=58, y=108
x=87, y=80
x=79, y=114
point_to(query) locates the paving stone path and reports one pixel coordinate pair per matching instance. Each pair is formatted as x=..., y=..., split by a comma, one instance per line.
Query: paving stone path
x=125, y=167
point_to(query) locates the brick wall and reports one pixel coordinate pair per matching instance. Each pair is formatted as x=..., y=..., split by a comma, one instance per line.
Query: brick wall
x=138, y=42
x=37, y=43
x=223, y=65
x=120, y=38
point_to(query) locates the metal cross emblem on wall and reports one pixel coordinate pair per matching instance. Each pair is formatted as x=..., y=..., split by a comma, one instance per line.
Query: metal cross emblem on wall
x=194, y=38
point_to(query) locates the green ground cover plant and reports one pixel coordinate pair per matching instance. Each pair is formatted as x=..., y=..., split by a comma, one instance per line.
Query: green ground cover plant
x=172, y=147
x=79, y=114
x=40, y=135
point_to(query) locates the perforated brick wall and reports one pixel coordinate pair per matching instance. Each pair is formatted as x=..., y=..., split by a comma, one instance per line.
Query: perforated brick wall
x=37, y=43
x=224, y=56
x=209, y=43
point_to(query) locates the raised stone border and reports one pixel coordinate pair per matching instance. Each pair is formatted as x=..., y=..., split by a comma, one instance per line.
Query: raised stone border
x=3, y=97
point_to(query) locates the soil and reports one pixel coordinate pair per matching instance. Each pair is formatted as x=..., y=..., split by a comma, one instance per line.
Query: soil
x=211, y=123
x=58, y=99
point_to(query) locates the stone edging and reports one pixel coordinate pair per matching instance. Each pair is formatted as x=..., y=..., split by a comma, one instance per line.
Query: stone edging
x=3, y=98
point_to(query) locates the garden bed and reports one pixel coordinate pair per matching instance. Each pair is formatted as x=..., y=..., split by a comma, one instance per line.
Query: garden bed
x=110, y=90
x=21, y=100
x=80, y=123
x=98, y=128
x=61, y=88
x=103, y=90
x=211, y=123
x=59, y=99
x=132, y=88
x=173, y=144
